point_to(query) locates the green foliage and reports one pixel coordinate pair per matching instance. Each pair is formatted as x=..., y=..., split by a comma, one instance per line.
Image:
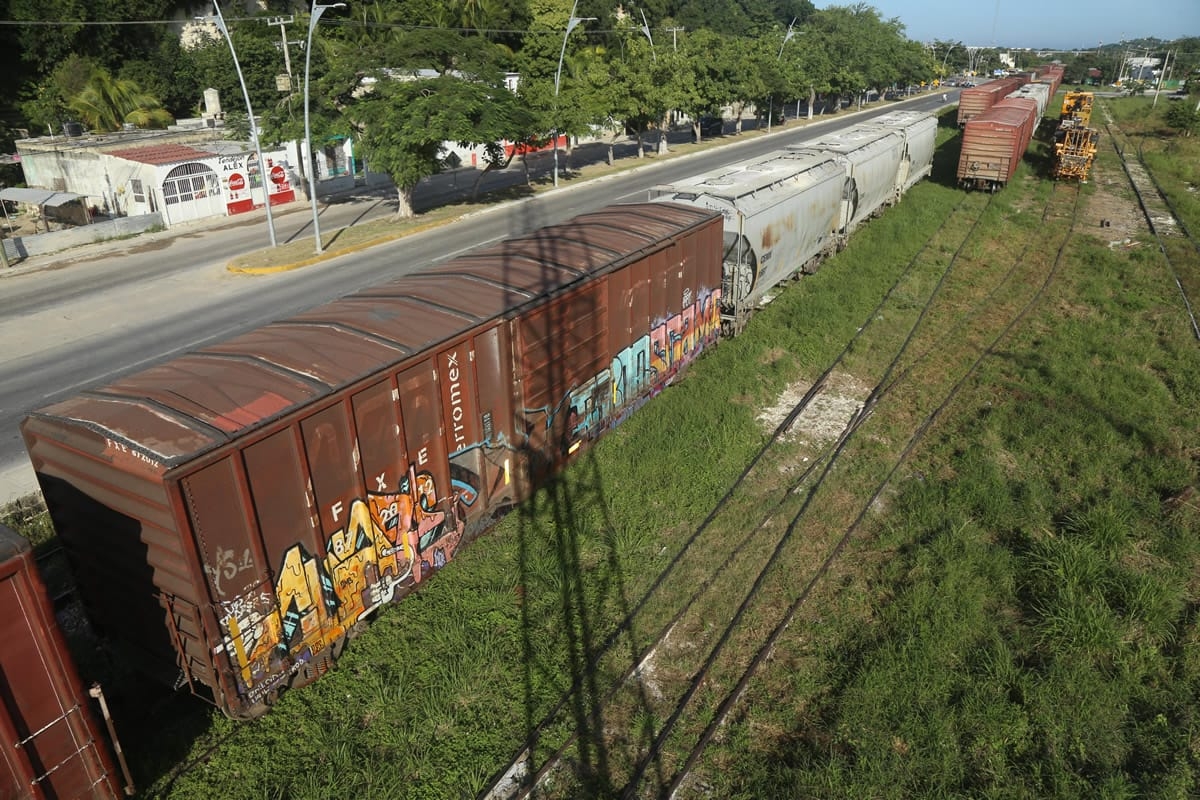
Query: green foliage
x=46, y=105
x=106, y=104
x=211, y=65
x=1182, y=116
x=28, y=517
x=403, y=123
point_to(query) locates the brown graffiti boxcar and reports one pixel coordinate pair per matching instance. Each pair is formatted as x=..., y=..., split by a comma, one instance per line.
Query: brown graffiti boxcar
x=53, y=745
x=236, y=513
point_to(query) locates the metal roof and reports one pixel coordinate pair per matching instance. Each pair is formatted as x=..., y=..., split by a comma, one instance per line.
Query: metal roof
x=160, y=154
x=740, y=182
x=38, y=197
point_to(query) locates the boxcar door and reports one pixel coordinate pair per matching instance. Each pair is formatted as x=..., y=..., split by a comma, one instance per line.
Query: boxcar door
x=494, y=384
x=347, y=544
x=303, y=593
x=629, y=332
x=460, y=404
x=239, y=588
x=435, y=529
x=385, y=469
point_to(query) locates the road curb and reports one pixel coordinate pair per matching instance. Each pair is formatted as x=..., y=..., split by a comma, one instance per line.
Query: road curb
x=330, y=254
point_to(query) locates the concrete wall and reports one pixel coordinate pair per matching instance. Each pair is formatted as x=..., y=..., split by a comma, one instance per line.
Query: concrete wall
x=42, y=243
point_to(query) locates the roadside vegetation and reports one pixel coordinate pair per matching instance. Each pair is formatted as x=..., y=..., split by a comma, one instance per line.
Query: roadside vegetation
x=1015, y=618
x=400, y=79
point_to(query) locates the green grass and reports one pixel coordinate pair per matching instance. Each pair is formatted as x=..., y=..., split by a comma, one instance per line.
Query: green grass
x=1034, y=629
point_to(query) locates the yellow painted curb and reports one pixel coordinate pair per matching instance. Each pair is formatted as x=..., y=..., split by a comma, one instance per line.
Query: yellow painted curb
x=237, y=269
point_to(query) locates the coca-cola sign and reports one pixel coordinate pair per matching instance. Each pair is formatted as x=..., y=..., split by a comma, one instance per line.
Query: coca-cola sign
x=237, y=182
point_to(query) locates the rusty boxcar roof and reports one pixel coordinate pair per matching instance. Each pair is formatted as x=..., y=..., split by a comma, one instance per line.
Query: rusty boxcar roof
x=1010, y=115
x=196, y=402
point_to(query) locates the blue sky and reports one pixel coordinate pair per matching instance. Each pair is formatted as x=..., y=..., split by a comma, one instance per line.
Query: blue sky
x=1040, y=23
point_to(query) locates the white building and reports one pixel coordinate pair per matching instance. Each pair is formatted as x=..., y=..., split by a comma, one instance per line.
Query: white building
x=185, y=173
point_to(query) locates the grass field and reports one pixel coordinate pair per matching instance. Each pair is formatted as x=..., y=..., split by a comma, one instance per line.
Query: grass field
x=1016, y=617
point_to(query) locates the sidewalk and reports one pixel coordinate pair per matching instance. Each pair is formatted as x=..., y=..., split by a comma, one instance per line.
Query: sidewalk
x=114, y=247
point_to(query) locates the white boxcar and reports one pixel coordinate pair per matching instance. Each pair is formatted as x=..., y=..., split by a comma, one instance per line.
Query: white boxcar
x=781, y=214
x=920, y=139
x=871, y=156
x=1040, y=93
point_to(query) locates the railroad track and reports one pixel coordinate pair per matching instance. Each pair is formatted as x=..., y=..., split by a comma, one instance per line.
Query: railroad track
x=1175, y=241
x=665, y=685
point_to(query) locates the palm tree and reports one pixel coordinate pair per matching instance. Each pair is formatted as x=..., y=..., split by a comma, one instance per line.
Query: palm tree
x=107, y=103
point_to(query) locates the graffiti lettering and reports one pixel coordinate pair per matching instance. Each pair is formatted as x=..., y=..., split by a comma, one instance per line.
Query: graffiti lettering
x=453, y=372
x=390, y=542
x=246, y=606
x=636, y=373
x=227, y=567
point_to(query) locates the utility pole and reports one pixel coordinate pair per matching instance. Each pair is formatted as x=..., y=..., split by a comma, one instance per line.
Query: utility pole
x=1162, y=75
x=282, y=22
x=673, y=31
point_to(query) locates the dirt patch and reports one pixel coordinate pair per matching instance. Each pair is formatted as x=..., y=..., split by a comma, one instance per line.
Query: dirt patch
x=1113, y=214
x=825, y=417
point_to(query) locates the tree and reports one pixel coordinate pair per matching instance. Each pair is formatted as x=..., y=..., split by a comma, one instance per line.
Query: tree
x=1183, y=117
x=402, y=124
x=865, y=51
x=46, y=105
x=106, y=103
x=636, y=97
x=210, y=65
x=166, y=73
x=710, y=63
x=584, y=93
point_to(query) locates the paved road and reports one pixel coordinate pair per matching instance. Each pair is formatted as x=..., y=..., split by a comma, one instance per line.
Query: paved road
x=90, y=315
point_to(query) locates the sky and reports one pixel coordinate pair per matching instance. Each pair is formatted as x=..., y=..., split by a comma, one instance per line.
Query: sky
x=1060, y=24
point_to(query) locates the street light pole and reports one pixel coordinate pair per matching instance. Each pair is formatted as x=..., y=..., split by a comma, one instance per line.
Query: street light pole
x=219, y=21
x=649, y=38
x=572, y=22
x=944, y=59
x=771, y=101
x=317, y=10
x=662, y=133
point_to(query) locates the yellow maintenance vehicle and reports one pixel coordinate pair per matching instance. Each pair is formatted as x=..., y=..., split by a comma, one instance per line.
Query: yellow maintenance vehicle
x=1074, y=141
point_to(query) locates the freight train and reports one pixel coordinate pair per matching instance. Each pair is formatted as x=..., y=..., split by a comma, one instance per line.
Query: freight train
x=234, y=515
x=995, y=139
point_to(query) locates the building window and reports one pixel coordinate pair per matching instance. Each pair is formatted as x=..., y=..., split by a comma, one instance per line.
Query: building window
x=139, y=194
